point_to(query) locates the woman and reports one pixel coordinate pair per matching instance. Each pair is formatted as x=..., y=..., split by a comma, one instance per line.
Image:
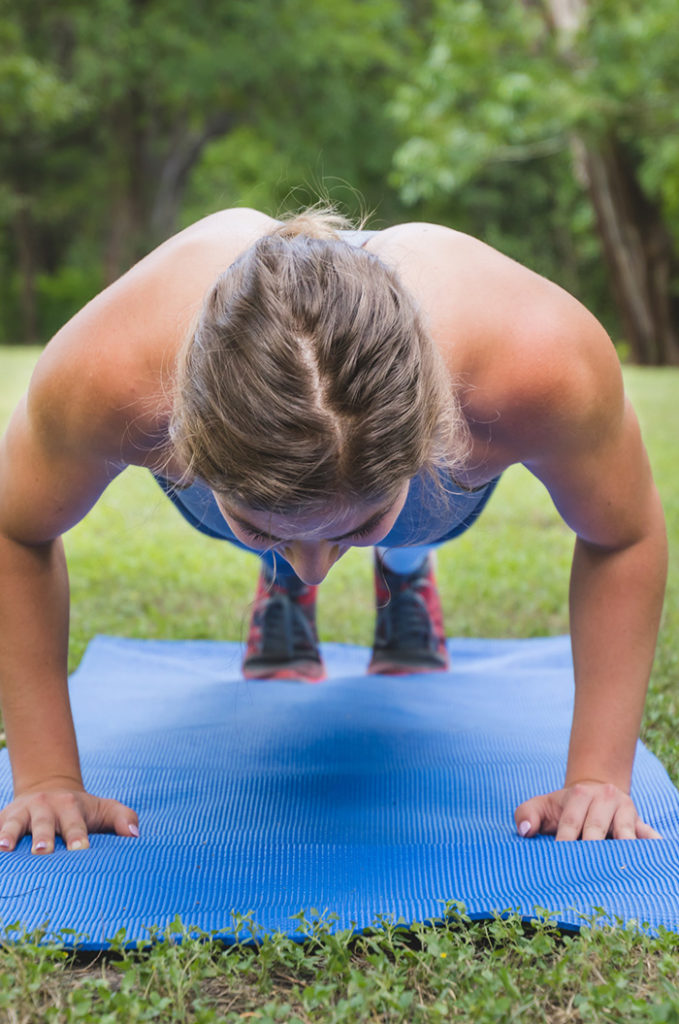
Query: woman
x=299, y=392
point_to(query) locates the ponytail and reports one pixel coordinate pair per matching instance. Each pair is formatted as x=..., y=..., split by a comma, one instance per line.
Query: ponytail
x=322, y=222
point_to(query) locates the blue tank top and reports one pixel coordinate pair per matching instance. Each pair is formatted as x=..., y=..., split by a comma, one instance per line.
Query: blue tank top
x=432, y=513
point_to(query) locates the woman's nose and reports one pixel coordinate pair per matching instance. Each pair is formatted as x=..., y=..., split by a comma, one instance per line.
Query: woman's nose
x=311, y=561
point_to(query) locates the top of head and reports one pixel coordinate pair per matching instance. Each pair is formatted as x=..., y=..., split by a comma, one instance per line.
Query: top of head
x=310, y=375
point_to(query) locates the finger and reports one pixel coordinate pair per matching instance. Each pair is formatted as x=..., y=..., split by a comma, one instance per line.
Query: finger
x=573, y=814
x=72, y=825
x=607, y=805
x=624, y=825
x=116, y=817
x=644, y=831
x=13, y=829
x=43, y=825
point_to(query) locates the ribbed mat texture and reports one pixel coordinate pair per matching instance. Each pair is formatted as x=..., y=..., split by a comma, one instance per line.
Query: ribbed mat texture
x=363, y=797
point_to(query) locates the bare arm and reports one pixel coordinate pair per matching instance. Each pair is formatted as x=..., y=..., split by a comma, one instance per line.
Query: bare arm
x=97, y=402
x=596, y=469
x=540, y=384
x=616, y=601
x=44, y=489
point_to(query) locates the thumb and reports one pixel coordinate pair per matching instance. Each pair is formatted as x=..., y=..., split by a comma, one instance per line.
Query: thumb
x=535, y=815
x=116, y=817
x=645, y=831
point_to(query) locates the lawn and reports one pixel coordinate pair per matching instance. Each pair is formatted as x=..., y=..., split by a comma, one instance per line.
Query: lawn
x=137, y=569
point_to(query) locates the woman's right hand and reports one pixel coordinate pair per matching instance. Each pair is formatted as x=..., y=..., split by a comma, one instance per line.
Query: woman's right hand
x=69, y=812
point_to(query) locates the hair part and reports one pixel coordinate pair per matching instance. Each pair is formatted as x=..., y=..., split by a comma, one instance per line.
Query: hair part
x=310, y=377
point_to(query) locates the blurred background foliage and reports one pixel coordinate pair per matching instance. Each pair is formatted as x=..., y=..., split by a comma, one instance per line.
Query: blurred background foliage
x=546, y=127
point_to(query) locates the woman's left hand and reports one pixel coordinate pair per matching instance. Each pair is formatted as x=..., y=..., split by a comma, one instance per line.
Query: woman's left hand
x=585, y=810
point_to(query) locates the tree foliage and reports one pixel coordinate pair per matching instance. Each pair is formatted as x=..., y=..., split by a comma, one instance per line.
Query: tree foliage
x=498, y=84
x=543, y=87
x=546, y=127
x=111, y=105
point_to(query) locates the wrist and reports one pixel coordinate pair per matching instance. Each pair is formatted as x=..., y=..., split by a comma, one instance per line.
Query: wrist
x=47, y=784
x=597, y=764
x=581, y=779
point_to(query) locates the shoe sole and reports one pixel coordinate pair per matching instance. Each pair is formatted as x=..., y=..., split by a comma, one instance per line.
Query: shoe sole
x=300, y=671
x=400, y=668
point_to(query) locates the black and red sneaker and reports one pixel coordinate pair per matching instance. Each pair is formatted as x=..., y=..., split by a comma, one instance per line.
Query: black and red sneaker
x=282, y=640
x=409, y=633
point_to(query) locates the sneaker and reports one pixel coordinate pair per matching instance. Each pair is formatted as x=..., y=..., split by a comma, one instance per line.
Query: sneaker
x=409, y=634
x=282, y=641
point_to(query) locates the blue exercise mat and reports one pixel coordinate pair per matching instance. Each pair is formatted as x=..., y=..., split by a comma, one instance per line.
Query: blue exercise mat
x=362, y=797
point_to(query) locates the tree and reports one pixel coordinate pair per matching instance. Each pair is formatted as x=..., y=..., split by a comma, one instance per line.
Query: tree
x=153, y=84
x=35, y=103
x=534, y=84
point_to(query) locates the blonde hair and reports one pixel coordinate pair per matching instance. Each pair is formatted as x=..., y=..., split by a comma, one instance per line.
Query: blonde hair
x=310, y=377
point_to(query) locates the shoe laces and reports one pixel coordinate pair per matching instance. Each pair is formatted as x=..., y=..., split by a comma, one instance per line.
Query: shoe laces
x=405, y=619
x=285, y=627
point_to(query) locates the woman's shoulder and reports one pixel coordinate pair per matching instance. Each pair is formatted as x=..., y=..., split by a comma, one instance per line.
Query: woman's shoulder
x=529, y=358
x=105, y=378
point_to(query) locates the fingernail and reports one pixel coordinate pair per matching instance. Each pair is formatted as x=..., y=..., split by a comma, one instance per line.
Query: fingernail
x=4, y=844
x=524, y=828
x=77, y=844
x=42, y=845
x=134, y=831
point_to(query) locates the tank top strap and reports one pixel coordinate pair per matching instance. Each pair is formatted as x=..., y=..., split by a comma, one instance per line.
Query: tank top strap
x=357, y=238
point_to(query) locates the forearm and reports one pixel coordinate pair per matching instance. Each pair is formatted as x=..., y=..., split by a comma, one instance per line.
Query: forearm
x=616, y=602
x=33, y=665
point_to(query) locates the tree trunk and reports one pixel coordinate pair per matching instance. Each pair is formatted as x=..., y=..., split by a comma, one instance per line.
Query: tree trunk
x=637, y=246
x=151, y=190
x=117, y=253
x=184, y=151
x=639, y=254
x=24, y=235
x=128, y=238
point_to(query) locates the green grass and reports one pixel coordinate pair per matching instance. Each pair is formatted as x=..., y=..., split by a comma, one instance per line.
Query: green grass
x=483, y=972
x=138, y=570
